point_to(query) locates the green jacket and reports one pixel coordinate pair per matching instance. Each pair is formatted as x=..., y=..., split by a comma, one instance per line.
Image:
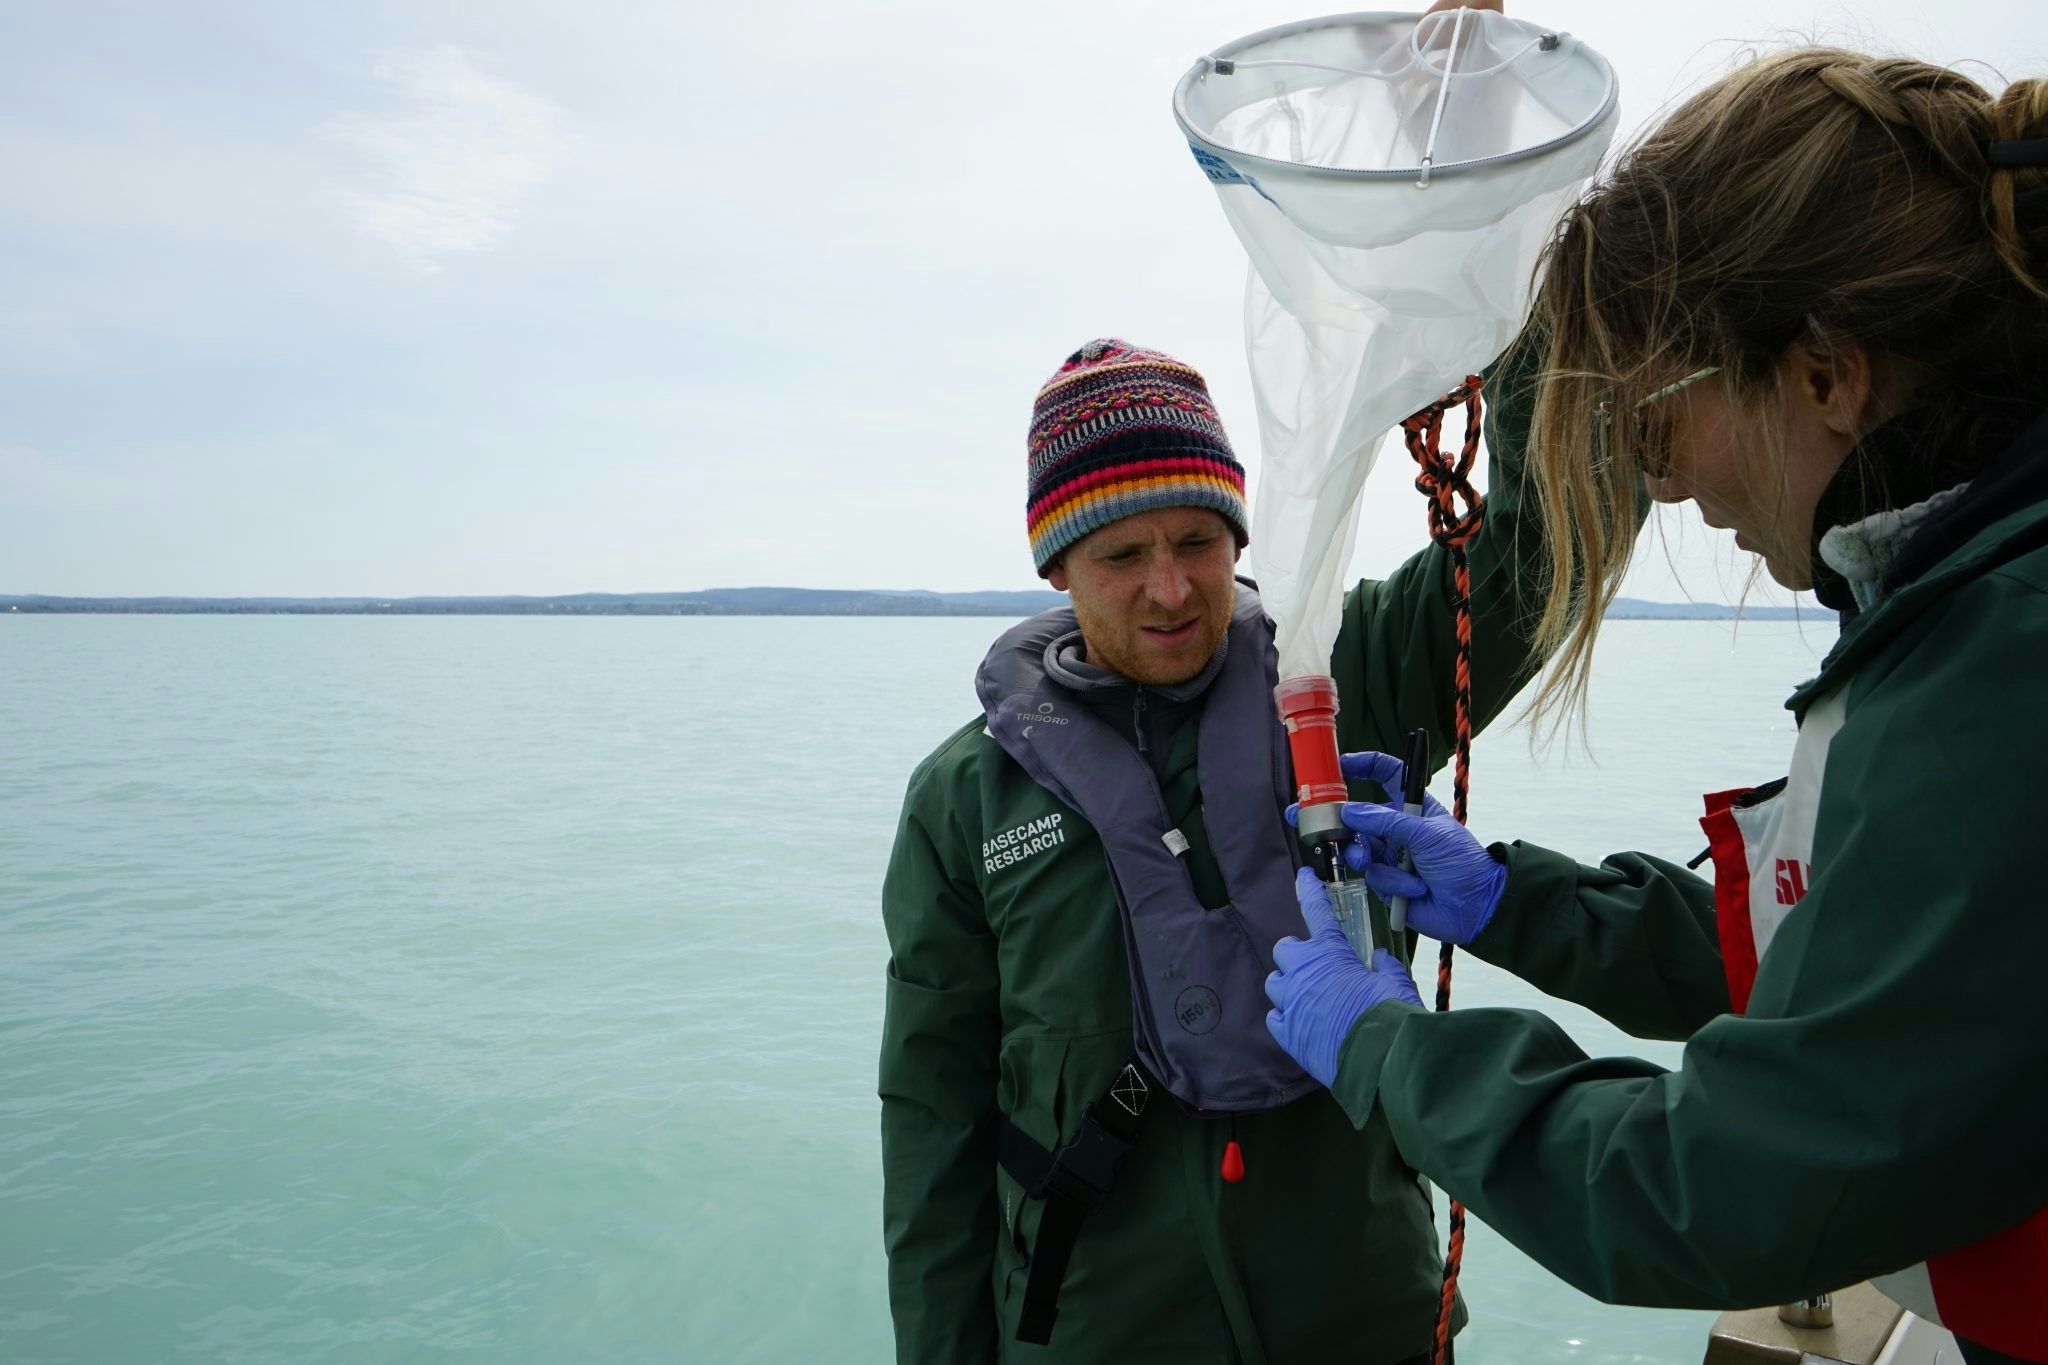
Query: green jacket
x=1008, y=994
x=1884, y=1099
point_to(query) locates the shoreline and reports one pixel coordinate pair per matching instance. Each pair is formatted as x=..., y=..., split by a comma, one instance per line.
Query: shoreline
x=790, y=602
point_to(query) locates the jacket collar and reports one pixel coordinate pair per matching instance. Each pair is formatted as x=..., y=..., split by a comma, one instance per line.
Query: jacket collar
x=1859, y=553
x=1066, y=663
x=1997, y=517
x=1901, y=465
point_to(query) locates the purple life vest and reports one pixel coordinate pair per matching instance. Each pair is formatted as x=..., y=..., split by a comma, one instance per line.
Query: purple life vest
x=1198, y=999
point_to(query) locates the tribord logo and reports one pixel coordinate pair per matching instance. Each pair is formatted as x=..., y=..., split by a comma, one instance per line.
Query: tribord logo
x=1043, y=717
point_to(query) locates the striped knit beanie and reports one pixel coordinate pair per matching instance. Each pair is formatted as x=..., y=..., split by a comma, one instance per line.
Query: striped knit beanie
x=1119, y=431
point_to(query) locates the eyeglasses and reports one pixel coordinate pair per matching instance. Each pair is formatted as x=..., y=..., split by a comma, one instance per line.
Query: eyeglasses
x=1653, y=432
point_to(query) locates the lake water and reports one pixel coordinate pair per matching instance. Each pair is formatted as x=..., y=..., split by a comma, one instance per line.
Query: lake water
x=507, y=989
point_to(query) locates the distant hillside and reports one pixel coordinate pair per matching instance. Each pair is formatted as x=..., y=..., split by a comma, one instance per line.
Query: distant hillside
x=1635, y=609
x=714, y=602
x=725, y=602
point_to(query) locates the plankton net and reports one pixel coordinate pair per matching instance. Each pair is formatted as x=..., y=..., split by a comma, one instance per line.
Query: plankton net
x=1392, y=178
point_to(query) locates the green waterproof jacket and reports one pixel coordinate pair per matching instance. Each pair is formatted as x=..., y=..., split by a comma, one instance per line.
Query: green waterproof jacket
x=1009, y=994
x=1884, y=1099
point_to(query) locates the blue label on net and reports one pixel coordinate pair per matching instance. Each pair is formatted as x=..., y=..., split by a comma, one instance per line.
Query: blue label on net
x=1221, y=172
x=1218, y=170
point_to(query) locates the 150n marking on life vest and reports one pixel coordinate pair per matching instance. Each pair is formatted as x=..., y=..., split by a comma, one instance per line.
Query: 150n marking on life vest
x=1197, y=1009
x=1013, y=846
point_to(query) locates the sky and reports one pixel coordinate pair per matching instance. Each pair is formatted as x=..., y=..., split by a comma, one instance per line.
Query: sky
x=490, y=296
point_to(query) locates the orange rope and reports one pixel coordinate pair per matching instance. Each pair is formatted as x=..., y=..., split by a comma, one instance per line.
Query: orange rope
x=1445, y=482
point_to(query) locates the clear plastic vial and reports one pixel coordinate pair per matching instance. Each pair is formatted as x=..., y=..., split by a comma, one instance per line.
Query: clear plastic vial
x=1354, y=915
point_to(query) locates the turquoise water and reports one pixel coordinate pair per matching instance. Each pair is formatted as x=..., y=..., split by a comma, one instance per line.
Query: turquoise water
x=507, y=988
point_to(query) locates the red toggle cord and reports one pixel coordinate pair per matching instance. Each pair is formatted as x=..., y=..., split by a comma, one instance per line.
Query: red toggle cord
x=1233, y=1163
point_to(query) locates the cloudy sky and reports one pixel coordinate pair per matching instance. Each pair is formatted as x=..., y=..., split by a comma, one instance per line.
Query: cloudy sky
x=484, y=296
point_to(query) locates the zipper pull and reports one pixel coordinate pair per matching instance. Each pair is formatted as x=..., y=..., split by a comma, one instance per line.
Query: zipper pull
x=1138, y=721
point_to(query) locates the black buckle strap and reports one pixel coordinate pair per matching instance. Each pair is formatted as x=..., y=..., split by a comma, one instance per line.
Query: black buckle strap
x=1073, y=1184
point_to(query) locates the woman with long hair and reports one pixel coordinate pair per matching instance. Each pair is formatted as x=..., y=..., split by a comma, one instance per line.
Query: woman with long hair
x=1814, y=301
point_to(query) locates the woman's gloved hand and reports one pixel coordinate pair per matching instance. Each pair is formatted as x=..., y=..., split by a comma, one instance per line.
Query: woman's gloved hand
x=1456, y=884
x=1321, y=988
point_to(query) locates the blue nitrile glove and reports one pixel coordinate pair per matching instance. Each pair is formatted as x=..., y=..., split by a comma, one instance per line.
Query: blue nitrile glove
x=1392, y=775
x=1456, y=884
x=1321, y=988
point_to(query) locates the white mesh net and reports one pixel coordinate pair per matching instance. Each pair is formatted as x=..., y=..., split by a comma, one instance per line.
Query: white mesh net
x=1393, y=179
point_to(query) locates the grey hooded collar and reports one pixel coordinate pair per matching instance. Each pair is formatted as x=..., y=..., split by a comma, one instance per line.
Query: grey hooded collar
x=1861, y=551
x=1067, y=665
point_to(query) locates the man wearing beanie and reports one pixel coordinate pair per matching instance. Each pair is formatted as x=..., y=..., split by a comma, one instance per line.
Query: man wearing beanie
x=1091, y=1150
